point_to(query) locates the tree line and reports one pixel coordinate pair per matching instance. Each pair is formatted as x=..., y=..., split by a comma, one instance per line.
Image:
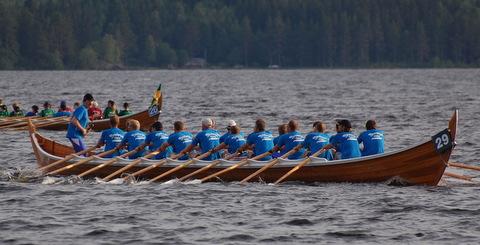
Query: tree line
x=111, y=34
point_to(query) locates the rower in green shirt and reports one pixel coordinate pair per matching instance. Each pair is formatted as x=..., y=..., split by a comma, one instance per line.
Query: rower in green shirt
x=47, y=111
x=111, y=110
x=126, y=110
x=3, y=109
x=17, y=111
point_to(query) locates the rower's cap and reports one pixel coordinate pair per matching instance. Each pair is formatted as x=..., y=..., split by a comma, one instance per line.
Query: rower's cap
x=207, y=122
x=231, y=123
x=88, y=97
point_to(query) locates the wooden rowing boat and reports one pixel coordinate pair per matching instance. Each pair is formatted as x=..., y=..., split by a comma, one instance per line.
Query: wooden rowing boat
x=423, y=164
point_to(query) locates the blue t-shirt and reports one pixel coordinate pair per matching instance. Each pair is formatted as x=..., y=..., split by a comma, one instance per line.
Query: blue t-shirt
x=224, y=137
x=112, y=138
x=373, y=142
x=235, y=141
x=30, y=114
x=208, y=139
x=62, y=114
x=315, y=141
x=133, y=139
x=81, y=114
x=180, y=141
x=157, y=138
x=290, y=141
x=346, y=143
x=262, y=142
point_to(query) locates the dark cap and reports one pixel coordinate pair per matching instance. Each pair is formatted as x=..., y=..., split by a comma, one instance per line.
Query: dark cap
x=88, y=97
x=345, y=123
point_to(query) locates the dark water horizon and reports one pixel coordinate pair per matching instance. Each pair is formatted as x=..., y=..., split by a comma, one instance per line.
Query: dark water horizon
x=411, y=105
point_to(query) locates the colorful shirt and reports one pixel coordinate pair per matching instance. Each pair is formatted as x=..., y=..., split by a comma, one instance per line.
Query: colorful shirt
x=112, y=138
x=346, y=143
x=207, y=140
x=316, y=141
x=94, y=113
x=124, y=112
x=157, y=139
x=133, y=139
x=18, y=113
x=235, y=141
x=81, y=115
x=262, y=142
x=4, y=111
x=290, y=141
x=373, y=142
x=31, y=114
x=62, y=114
x=180, y=141
x=109, y=112
x=47, y=112
x=224, y=137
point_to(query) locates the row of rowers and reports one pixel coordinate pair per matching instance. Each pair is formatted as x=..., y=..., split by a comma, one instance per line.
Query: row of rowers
x=94, y=112
x=182, y=144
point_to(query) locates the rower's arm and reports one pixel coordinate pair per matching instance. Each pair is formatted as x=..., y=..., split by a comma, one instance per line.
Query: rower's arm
x=186, y=150
x=77, y=124
x=163, y=147
x=142, y=146
x=219, y=147
x=243, y=147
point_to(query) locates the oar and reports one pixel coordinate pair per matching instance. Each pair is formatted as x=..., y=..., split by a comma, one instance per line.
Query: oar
x=209, y=166
x=85, y=160
x=301, y=164
x=458, y=176
x=107, y=163
x=189, y=162
x=23, y=124
x=44, y=124
x=15, y=119
x=129, y=166
x=239, y=164
x=67, y=158
x=268, y=166
x=461, y=165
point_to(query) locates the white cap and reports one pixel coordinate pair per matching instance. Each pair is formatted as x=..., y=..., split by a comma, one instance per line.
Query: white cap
x=94, y=103
x=207, y=122
x=231, y=123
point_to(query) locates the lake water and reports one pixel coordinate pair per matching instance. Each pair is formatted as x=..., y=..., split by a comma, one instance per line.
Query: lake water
x=410, y=105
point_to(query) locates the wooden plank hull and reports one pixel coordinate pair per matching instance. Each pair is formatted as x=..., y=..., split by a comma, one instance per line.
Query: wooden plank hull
x=143, y=117
x=418, y=165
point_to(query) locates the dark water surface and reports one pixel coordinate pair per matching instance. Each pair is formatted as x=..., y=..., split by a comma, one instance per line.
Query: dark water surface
x=410, y=105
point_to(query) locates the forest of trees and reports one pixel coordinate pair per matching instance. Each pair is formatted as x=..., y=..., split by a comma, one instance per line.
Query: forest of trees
x=126, y=34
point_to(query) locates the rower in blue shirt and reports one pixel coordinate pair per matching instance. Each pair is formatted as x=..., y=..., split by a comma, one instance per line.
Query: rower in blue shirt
x=344, y=142
x=111, y=137
x=233, y=142
x=179, y=140
x=291, y=140
x=372, y=139
x=207, y=139
x=155, y=139
x=317, y=139
x=77, y=128
x=260, y=140
x=282, y=129
x=33, y=112
x=133, y=139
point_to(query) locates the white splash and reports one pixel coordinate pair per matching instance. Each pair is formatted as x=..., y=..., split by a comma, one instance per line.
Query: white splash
x=193, y=182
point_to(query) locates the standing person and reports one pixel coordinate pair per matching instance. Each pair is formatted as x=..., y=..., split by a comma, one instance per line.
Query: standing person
x=133, y=139
x=344, y=142
x=77, y=128
x=3, y=109
x=260, y=140
x=111, y=110
x=17, y=111
x=179, y=140
x=47, y=110
x=291, y=140
x=33, y=112
x=317, y=139
x=63, y=110
x=155, y=139
x=207, y=139
x=126, y=110
x=94, y=113
x=111, y=137
x=282, y=129
x=372, y=139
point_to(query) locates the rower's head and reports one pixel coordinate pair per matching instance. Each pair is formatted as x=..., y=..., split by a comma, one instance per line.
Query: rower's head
x=16, y=106
x=47, y=105
x=319, y=126
x=260, y=125
x=343, y=126
x=114, y=121
x=231, y=124
x=111, y=103
x=76, y=105
x=63, y=105
x=371, y=124
x=207, y=123
x=235, y=129
x=293, y=126
x=126, y=105
x=35, y=108
x=133, y=124
x=157, y=126
x=178, y=126
x=87, y=100
x=282, y=129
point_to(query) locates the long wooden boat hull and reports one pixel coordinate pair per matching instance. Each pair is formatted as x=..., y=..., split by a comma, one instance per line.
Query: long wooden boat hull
x=419, y=165
x=98, y=125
